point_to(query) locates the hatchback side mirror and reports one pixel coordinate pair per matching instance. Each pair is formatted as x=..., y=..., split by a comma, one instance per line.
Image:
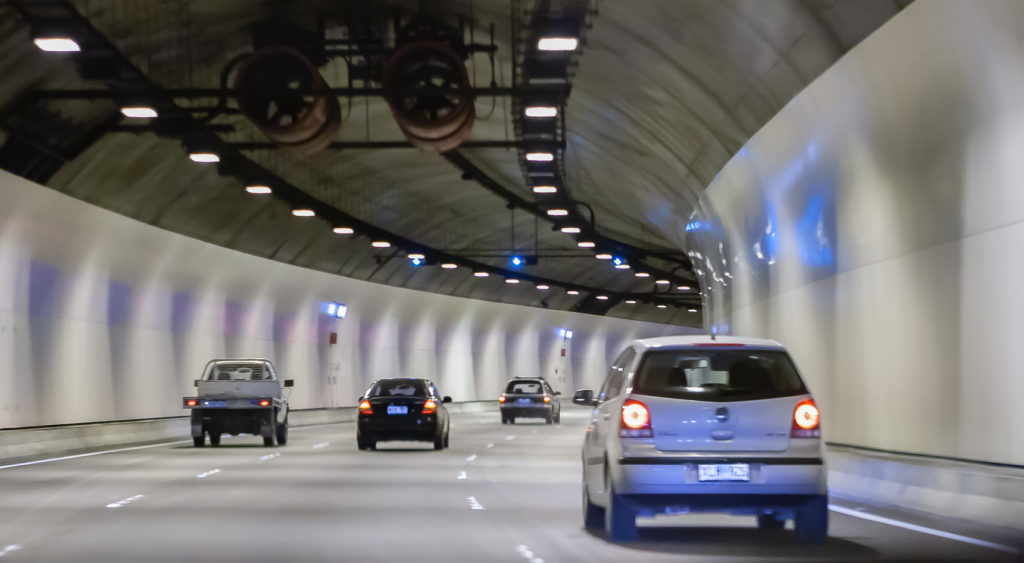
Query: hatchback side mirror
x=583, y=397
x=289, y=383
x=447, y=399
x=557, y=393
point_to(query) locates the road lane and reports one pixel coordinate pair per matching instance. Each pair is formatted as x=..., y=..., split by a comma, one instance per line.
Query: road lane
x=320, y=499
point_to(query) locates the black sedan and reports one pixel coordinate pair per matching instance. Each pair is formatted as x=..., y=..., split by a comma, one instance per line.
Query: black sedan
x=402, y=409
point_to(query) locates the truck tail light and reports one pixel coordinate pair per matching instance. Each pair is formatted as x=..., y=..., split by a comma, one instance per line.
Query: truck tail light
x=547, y=399
x=806, y=420
x=191, y=402
x=365, y=408
x=264, y=402
x=501, y=399
x=429, y=407
x=635, y=420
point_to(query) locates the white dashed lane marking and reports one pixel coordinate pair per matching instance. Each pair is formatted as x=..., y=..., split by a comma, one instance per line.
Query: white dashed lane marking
x=9, y=549
x=321, y=445
x=270, y=456
x=528, y=555
x=125, y=502
x=921, y=529
x=474, y=504
x=471, y=458
x=207, y=473
x=462, y=476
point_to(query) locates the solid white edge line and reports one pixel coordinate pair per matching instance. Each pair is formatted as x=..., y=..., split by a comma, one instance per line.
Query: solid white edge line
x=62, y=458
x=920, y=529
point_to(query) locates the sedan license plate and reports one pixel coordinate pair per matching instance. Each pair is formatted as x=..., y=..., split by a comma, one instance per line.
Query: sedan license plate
x=215, y=403
x=398, y=409
x=724, y=472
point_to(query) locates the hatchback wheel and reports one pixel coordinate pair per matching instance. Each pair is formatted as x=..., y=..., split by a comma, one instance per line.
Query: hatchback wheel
x=770, y=522
x=593, y=515
x=811, y=521
x=619, y=518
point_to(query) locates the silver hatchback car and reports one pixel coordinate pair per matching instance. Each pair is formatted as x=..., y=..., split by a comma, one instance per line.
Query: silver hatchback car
x=701, y=424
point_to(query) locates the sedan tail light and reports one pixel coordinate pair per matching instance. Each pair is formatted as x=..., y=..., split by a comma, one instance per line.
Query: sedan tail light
x=635, y=420
x=429, y=407
x=806, y=420
x=365, y=408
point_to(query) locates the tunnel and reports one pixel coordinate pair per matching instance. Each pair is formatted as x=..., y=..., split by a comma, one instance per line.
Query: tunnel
x=463, y=201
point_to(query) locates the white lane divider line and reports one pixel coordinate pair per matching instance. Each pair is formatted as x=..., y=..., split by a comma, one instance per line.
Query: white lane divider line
x=125, y=502
x=321, y=445
x=9, y=549
x=462, y=476
x=270, y=456
x=510, y=437
x=90, y=454
x=920, y=529
x=207, y=473
x=474, y=504
x=471, y=458
x=490, y=445
x=528, y=555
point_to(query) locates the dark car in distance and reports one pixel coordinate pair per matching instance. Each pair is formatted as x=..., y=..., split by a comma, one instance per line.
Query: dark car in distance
x=402, y=409
x=529, y=398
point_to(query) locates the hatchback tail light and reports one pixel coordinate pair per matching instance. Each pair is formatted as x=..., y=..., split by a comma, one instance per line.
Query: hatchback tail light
x=547, y=398
x=365, y=408
x=806, y=420
x=635, y=420
x=501, y=399
x=429, y=407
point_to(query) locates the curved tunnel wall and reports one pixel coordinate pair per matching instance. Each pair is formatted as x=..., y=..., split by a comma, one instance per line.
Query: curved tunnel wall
x=876, y=227
x=103, y=317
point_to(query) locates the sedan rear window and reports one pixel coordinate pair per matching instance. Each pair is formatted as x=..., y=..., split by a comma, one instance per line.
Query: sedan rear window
x=718, y=375
x=524, y=387
x=398, y=388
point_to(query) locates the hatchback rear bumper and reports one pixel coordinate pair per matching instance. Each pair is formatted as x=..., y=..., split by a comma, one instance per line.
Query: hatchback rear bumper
x=671, y=476
x=527, y=411
x=736, y=504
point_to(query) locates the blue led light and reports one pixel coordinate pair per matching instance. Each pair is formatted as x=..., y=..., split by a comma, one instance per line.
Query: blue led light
x=517, y=261
x=618, y=260
x=415, y=262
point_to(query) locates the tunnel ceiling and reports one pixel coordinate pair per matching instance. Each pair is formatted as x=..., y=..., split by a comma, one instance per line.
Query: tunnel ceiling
x=652, y=103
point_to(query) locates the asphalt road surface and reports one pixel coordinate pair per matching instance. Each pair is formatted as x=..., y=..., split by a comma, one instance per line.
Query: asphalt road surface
x=500, y=493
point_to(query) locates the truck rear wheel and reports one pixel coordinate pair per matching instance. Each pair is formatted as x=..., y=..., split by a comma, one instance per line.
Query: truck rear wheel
x=215, y=437
x=267, y=427
x=197, y=441
x=282, y=432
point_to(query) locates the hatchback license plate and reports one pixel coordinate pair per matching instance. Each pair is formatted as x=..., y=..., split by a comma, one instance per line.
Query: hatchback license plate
x=398, y=409
x=724, y=472
x=523, y=401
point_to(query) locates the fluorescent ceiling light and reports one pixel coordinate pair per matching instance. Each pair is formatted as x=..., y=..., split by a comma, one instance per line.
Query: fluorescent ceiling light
x=541, y=111
x=602, y=297
x=642, y=275
x=544, y=189
x=343, y=230
x=57, y=44
x=449, y=265
x=557, y=43
x=543, y=286
x=631, y=302
x=539, y=156
x=570, y=230
x=683, y=287
x=558, y=212
x=603, y=256
x=380, y=244
x=622, y=266
x=303, y=212
x=662, y=306
x=258, y=189
x=572, y=292
x=481, y=274
x=586, y=244
x=140, y=112
x=511, y=280
x=661, y=282
x=417, y=256
x=204, y=157
x=692, y=310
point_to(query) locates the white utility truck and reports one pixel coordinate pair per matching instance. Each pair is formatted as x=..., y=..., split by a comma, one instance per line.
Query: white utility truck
x=239, y=396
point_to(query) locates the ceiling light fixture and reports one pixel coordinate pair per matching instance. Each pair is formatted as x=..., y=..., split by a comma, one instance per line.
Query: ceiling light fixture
x=449, y=265
x=417, y=256
x=544, y=189
x=543, y=286
x=539, y=156
x=541, y=111
x=558, y=212
x=662, y=282
x=642, y=275
x=631, y=302
x=557, y=43
x=571, y=230
x=572, y=292
x=662, y=306
x=511, y=280
x=481, y=274
x=380, y=244
x=683, y=287
x=204, y=157
x=349, y=231
x=303, y=212
x=258, y=190
x=602, y=297
x=586, y=244
x=603, y=256
x=692, y=310
x=622, y=266
x=139, y=112
x=57, y=44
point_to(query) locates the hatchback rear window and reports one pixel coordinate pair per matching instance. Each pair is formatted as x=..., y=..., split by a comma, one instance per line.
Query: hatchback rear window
x=524, y=387
x=718, y=375
x=398, y=388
